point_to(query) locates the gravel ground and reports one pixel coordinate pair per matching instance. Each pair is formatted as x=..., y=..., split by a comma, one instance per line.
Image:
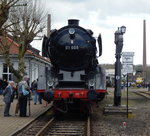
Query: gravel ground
x=112, y=125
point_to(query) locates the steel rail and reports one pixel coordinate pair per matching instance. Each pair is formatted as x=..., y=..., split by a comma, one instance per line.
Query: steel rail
x=88, y=126
x=145, y=95
x=42, y=131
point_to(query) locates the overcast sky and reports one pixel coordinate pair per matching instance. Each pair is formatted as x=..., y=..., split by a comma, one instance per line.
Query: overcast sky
x=105, y=16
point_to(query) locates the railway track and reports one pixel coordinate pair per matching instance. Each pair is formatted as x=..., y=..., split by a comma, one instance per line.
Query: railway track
x=66, y=127
x=143, y=94
x=35, y=126
x=49, y=125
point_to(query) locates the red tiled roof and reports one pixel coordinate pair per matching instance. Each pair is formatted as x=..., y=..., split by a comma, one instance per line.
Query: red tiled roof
x=14, y=49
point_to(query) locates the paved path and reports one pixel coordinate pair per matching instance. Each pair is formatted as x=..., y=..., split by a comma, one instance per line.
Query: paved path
x=9, y=125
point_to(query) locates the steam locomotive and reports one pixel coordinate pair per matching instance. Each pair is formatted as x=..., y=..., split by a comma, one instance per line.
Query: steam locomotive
x=75, y=79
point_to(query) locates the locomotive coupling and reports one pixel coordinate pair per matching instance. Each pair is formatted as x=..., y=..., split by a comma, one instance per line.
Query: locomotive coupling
x=70, y=95
x=92, y=95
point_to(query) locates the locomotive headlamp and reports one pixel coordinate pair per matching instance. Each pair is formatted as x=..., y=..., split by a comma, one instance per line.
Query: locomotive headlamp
x=50, y=83
x=91, y=83
x=71, y=31
x=72, y=34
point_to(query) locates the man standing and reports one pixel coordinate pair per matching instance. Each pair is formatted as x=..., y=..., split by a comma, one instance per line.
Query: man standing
x=23, y=98
x=8, y=94
x=36, y=94
x=1, y=83
x=34, y=90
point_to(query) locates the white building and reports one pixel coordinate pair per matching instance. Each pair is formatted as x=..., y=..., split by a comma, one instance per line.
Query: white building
x=33, y=62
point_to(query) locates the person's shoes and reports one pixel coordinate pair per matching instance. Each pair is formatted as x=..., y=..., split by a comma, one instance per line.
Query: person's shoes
x=34, y=103
x=24, y=116
x=16, y=114
x=7, y=115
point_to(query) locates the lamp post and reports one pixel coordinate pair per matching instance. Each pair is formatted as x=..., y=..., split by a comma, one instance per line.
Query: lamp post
x=119, y=44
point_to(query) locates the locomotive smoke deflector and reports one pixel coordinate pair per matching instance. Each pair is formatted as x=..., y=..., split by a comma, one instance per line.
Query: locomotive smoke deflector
x=73, y=22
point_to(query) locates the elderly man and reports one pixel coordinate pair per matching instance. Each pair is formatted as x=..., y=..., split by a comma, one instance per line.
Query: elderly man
x=8, y=94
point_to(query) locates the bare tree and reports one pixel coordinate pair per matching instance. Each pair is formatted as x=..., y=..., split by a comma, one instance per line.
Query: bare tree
x=5, y=9
x=27, y=22
x=5, y=6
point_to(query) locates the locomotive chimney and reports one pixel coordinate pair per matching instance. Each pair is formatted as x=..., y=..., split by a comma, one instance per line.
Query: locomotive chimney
x=73, y=22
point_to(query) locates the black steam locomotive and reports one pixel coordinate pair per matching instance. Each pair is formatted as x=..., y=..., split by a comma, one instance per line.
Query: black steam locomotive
x=75, y=78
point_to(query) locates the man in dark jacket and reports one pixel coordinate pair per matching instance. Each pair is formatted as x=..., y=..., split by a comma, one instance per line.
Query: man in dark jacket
x=5, y=84
x=23, y=98
x=8, y=97
x=1, y=83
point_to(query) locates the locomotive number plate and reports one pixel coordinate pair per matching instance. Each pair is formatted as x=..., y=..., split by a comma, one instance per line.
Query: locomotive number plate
x=71, y=47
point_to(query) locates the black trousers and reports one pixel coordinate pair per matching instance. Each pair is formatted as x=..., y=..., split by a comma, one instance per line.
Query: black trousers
x=23, y=105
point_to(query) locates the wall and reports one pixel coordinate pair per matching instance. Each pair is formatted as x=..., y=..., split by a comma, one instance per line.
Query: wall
x=33, y=64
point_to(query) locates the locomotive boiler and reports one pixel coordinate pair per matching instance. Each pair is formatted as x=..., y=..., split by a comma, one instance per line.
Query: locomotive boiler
x=75, y=79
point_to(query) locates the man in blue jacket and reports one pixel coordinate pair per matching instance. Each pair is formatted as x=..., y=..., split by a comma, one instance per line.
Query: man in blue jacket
x=8, y=94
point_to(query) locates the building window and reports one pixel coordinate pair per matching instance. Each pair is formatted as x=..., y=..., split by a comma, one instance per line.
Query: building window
x=7, y=75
